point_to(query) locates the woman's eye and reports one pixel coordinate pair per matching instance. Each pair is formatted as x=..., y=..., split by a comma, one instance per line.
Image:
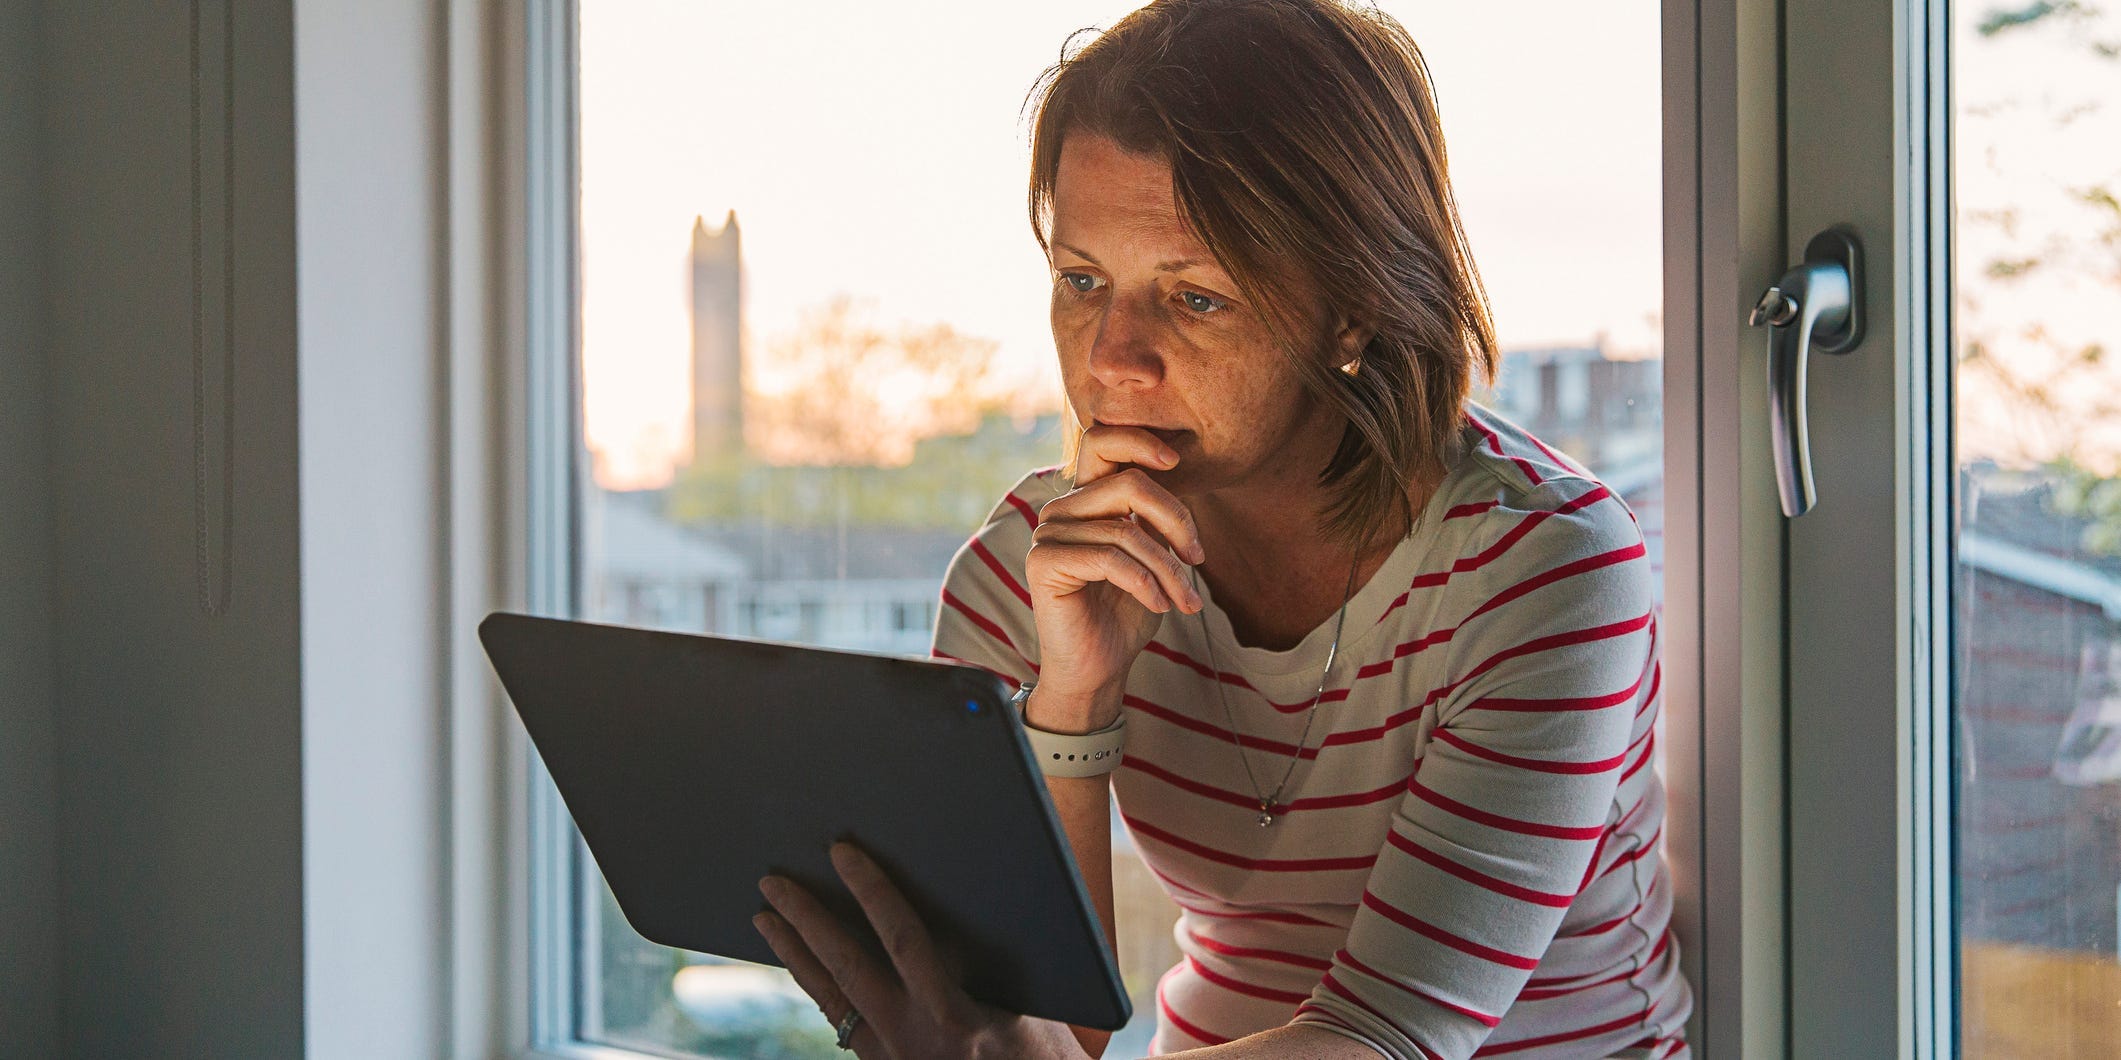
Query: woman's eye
x=1201, y=303
x=1082, y=282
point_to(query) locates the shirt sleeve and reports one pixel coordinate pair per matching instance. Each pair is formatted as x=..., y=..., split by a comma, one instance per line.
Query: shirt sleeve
x=1508, y=807
x=985, y=617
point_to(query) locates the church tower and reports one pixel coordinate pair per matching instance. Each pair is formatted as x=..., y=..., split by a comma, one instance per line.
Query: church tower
x=717, y=340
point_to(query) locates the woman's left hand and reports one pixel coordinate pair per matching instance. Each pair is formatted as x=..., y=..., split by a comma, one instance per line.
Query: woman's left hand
x=913, y=1008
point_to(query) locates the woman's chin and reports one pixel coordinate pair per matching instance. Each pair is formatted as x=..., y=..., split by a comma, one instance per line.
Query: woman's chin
x=1194, y=476
x=1176, y=437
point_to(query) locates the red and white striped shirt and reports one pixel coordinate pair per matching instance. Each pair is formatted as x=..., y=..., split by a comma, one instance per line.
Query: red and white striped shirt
x=1469, y=863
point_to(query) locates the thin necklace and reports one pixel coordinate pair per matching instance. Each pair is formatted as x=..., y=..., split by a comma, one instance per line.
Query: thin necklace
x=1270, y=805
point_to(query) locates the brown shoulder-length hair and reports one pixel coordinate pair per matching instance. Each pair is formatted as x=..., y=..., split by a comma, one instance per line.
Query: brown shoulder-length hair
x=1304, y=144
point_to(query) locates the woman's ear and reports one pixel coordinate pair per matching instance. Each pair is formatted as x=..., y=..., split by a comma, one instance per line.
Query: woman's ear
x=1350, y=338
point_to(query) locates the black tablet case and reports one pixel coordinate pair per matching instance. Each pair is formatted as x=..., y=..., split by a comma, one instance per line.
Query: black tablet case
x=696, y=764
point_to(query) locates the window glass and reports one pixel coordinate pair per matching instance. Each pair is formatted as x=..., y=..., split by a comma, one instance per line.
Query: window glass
x=2037, y=291
x=815, y=345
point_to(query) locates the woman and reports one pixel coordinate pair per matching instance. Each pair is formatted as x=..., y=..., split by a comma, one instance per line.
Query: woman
x=1383, y=665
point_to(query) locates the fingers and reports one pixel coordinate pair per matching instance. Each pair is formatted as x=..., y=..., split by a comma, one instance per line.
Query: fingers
x=1130, y=492
x=1116, y=551
x=807, y=971
x=906, y=938
x=1104, y=450
x=836, y=956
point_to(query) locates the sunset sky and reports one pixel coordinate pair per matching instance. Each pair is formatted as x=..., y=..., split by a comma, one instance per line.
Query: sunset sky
x=2038, y=133
x=880, y=151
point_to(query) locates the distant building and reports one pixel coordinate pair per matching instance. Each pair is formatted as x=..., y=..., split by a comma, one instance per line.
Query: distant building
x=854, y=586
x=647, y=571
x=1601, y=411
x=867, y=588
x=864, y=588
x=2037, y=678
x=717, y=339
x=1604, y=413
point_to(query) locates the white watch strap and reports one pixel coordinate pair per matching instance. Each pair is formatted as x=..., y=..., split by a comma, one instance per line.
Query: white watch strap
x=1091, y=754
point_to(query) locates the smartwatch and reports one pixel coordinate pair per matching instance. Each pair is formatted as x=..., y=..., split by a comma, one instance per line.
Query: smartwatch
x=1090, y=754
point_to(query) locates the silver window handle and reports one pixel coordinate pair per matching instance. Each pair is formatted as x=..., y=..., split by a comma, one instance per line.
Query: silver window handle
x=1815, y=306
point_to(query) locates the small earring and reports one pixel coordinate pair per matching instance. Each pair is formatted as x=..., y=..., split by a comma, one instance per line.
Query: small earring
x=1352, y=366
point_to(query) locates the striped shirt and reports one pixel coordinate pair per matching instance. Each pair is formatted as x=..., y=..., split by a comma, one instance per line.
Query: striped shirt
x=1469, y=864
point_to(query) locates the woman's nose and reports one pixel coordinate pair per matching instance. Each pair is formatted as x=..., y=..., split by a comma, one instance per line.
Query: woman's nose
x=1123, y=353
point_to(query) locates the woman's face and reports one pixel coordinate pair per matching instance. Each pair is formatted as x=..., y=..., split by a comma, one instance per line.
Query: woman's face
x=1152, y=333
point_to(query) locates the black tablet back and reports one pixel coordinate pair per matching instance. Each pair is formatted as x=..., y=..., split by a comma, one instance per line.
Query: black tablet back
x=696, y=764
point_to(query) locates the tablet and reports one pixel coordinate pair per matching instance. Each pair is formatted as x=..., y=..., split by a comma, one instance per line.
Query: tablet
x=696, y=764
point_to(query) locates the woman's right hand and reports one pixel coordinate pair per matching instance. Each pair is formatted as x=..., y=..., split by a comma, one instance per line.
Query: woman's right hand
x=1101, y=576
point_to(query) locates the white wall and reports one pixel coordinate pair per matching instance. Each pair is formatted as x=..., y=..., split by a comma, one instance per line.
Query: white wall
x=28, y=755
x=370, y=103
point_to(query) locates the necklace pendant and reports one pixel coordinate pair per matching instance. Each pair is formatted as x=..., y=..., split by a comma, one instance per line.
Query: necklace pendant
x=1267, y=810
x=1266, y=819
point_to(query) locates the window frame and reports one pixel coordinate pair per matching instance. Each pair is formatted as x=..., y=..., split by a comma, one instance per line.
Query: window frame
x=1870, y=813
x=1820, y=806
x=554, y=462
x=1723, y=535
x=1729, y=607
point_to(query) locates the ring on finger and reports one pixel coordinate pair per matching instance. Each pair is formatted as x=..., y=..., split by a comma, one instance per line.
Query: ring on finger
x=846, y=1027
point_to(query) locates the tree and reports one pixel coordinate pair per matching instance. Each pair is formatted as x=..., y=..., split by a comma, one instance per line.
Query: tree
x=2040, y=229
x=843, y=389
x=859, y=424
